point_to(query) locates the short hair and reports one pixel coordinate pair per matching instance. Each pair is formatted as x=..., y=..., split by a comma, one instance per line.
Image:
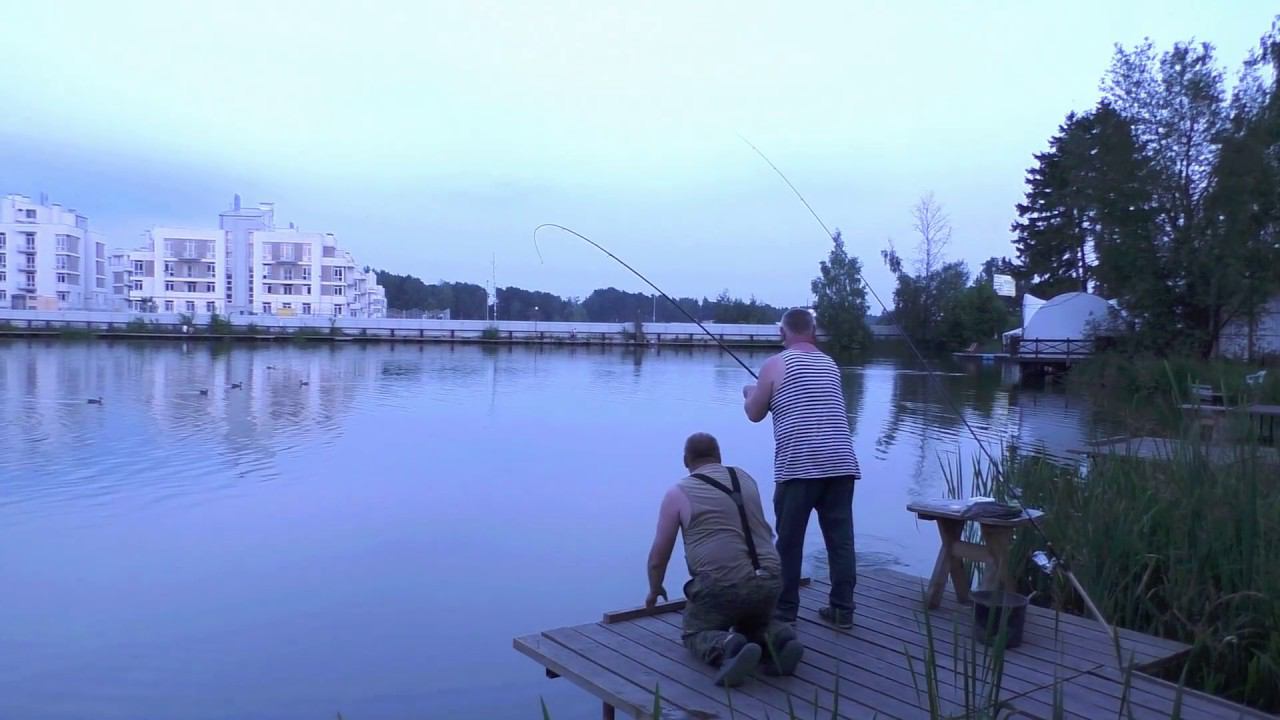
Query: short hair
x=798, y=321
x=702, y=446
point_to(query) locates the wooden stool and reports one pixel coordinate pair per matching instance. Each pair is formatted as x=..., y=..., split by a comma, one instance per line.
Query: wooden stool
x=997, y=537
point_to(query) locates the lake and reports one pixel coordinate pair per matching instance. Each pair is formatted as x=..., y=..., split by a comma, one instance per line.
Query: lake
x=364, y=528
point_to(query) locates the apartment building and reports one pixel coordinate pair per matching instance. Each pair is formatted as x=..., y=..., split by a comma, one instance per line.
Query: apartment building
x=181, y=270
x=49, y=259
x=247, y=266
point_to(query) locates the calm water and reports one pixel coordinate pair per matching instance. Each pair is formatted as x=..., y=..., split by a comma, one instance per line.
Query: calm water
x=369, y=542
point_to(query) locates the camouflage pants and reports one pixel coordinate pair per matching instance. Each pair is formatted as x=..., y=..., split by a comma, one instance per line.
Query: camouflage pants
x=715, y=611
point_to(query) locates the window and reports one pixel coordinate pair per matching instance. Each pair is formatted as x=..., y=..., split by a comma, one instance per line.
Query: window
x=63, y=296
x=3, y=261
x=353, y=313
x=191, y=287
x=306, y=308
x=101, y=283
x=339, y=290
x=337, y=274
x=288, y=289
x=287, y=306
x=191, y=272
x=60, y=263
x=3, y=295
x=168, y=306
x=31, y=240
x=62, y=278
x=31, y=279
x=29, y=214
x=4, y=276
x=211, y=269
x=286, y=251
x=266, y=308
x=137, y=285
x=139, y=267
x=168, y=286
x=210, y=287
x=337, y=310
x=170, y=248
x=306, y=253
x=1, y=241
x=191, y=249
x=306, y=273
x=211, y=307
x=288, y=273
x=61, y=243
x=168, y=269
x=191, y=306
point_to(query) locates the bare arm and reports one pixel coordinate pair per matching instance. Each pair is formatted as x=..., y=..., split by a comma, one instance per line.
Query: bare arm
x=759, y=396
x=664, y=541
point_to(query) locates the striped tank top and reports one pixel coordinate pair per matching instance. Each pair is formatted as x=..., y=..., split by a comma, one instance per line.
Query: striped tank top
x=810, y=423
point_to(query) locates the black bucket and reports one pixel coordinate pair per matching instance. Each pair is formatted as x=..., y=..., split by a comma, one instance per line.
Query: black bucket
x=994, y=611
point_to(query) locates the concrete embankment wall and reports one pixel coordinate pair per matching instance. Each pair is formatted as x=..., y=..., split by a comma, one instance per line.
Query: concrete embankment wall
x=125, y=324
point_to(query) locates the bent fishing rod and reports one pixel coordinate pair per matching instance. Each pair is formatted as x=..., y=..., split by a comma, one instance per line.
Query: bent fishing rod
x=1054, y=560
x=648, y=282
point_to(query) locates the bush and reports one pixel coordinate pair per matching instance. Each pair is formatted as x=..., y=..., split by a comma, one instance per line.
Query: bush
x=220, y=325
x=491, y=333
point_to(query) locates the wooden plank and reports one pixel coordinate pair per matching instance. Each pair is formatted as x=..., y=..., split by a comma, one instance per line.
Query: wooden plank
x=1194, y=702
x=691, y=703
x=1147, y=648
x=869, y=683
x=596, y=679
x=678, y=604
x=679, y=678
x=674, y=649
x=1059, y=651
x=1040, y=642
x=905, y=636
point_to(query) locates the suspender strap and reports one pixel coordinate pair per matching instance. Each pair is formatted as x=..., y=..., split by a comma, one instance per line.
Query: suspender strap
x=736, y=495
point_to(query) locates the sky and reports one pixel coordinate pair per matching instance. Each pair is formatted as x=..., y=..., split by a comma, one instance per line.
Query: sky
x=433, y=137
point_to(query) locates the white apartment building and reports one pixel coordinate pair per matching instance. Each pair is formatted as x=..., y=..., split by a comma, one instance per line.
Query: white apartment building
x=49, y=259
x=248, y=266
x=181, y=270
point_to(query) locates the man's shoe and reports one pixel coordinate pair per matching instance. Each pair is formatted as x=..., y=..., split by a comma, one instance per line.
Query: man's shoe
x=786, y=661
x=737, y=667
x=840, y=617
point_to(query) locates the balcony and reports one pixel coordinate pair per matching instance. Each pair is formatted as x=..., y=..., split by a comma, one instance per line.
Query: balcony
x=29, y=249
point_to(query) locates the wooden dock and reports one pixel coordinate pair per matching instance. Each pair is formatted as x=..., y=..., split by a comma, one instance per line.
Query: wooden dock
x=866, y=672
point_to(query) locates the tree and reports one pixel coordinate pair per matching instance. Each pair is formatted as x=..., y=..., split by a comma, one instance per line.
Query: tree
x=933, y=226
x=840, y=300
x=1085, y=196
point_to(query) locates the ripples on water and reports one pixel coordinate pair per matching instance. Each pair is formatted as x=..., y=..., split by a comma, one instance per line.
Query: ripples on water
x=369, y=541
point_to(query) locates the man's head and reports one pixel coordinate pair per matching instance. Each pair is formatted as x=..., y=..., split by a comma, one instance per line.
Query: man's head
x=798, y=326
x=700, y=449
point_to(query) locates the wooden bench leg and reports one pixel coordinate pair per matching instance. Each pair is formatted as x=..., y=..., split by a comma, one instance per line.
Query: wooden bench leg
x=997, y=540
x=948, y=564
x=607, y=712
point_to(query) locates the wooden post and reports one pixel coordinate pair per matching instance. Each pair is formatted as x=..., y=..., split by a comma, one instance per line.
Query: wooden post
x=948, y=563
x=607, y=712
x=997, y=539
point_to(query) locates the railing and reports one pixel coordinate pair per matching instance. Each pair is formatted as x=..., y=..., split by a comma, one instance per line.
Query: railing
x=1053, y=349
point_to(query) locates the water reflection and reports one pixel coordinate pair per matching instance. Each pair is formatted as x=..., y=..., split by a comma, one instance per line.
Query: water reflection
x=363, y=528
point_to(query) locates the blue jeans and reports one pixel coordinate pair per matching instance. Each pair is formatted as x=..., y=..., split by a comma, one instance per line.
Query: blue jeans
x=793, y=501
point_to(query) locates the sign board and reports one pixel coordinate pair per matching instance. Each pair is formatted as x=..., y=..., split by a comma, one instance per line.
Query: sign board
x=1004, y=285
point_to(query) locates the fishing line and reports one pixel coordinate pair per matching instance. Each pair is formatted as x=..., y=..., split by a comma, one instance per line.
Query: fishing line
x=648, y=282
x=1055, y=557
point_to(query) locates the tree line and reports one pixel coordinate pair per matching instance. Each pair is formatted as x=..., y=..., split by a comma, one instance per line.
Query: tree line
x=468, y=301
x=1165, y=196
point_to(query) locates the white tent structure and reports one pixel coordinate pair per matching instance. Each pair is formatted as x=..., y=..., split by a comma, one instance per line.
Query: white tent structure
x=1072, y=317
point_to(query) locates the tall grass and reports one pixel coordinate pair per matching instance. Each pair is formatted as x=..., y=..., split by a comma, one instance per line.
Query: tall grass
x=1185, y=546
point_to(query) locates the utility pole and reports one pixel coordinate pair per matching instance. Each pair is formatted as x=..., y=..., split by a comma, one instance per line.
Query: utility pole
x=655, y=307
x=493, y=281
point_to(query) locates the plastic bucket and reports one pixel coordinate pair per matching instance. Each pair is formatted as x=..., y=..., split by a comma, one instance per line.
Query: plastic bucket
x=995, y=612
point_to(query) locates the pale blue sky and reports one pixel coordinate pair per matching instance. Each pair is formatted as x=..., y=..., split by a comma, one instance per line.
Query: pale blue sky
x=431, y=135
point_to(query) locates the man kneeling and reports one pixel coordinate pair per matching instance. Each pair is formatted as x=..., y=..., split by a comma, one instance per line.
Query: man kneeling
x=735, y=571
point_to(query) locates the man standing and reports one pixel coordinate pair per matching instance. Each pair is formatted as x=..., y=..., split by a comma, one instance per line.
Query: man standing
x=734, y=569
x=814, y=464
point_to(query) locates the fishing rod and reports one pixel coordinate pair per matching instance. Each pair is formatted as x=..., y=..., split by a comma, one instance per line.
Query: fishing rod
x=1048, y=563
x=648, y=282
